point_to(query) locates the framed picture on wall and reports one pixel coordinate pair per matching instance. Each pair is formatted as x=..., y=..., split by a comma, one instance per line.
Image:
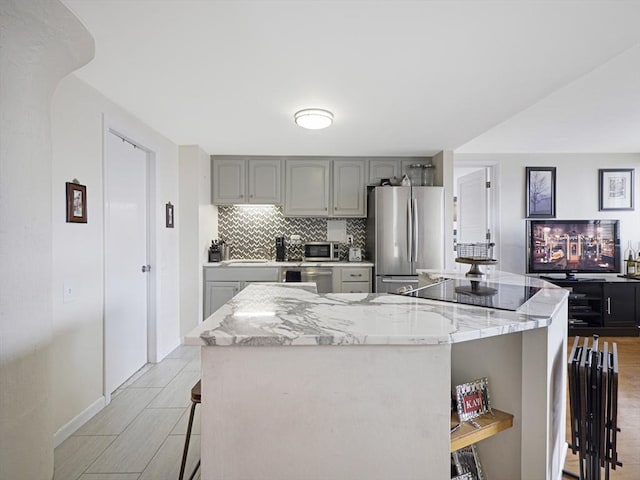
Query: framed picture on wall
x=541, y=192
x=615, y=187
x=76, y=203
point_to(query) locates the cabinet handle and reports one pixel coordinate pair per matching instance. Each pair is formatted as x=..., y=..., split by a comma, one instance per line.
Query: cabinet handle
x=356, y=275
x=608, y=305
x=251, y=196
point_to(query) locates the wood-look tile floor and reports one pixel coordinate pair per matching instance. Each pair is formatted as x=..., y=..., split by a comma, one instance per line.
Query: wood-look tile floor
x=140, y=434
x=628, y=410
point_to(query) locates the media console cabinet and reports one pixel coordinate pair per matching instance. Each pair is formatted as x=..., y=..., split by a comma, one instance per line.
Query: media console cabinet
x=607, y=306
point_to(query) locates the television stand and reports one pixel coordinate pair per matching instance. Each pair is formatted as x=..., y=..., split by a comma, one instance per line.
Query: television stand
x=603, y=306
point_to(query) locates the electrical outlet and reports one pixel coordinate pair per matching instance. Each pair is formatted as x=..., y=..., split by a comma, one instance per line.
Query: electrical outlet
x=69, y=293
x=349, y=239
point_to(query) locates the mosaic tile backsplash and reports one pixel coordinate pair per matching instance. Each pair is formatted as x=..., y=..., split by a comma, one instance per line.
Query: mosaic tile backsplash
x=251, y=231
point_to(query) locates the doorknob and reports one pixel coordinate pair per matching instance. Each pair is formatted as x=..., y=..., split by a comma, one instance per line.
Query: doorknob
x=146, y=268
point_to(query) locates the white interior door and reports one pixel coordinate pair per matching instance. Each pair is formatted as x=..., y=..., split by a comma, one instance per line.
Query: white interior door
x=126, y=253
x=473, y=207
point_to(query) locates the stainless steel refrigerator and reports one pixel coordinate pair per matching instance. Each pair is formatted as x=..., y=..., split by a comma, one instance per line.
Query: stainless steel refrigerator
x=405, y=232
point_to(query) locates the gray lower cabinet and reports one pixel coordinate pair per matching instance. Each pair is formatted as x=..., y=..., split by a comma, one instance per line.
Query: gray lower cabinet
x=352, y=280
x=217, y=294
x=222, y=283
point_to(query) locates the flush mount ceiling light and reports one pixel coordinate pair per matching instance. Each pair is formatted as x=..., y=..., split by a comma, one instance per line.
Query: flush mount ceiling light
x=313, y=118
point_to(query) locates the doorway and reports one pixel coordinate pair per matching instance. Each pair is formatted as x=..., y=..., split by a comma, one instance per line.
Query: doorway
x=476, y=198
x=127, y=260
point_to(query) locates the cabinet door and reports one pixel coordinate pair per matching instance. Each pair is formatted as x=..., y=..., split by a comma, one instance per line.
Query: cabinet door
x=379, y=169
x=349, y=188
x=265, y=181
x=307, y=188
x=217, y=294
x=620, y=304
x=229, y=181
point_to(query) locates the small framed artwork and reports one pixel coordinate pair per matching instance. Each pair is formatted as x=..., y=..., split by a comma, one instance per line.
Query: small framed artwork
x=473, y=399
x=76, y=203
x=466, y=463
x=615, y=188
x=541, y=192
x=169, y=215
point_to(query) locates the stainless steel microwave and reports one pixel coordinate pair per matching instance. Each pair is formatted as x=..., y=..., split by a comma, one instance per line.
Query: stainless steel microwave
x=322, y=251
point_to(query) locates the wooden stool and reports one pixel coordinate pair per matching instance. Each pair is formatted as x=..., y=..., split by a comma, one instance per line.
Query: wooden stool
x=195, y=400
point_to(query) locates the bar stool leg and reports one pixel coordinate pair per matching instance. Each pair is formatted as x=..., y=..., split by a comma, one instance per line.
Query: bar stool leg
x=195, y=470
x=186, y=444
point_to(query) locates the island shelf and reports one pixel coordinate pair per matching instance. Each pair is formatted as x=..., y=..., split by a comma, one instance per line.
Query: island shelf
x=490, y=425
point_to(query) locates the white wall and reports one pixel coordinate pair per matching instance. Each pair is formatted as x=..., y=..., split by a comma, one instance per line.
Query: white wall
x=41, y=41
x=199, y=225
x=77, y=353
x=576, y=195
x=444, y=162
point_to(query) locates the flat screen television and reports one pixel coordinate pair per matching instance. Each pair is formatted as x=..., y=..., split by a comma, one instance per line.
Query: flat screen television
x=573, y=246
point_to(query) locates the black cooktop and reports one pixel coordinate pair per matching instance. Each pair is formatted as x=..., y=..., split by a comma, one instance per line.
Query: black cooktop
x=473, y=292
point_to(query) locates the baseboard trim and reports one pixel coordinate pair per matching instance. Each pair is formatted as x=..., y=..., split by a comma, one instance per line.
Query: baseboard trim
x=83, y=417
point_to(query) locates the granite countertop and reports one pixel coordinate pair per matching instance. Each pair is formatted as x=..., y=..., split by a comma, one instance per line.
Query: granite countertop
x=272, y=263
x=293, y=314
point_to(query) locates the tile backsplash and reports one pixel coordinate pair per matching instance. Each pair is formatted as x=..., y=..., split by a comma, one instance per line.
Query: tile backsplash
x=251, y=230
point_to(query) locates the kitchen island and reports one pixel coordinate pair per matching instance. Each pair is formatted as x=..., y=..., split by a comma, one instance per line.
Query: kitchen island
x=298, y=385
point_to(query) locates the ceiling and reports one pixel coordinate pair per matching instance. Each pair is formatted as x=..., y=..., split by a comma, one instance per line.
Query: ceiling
x=401, y=77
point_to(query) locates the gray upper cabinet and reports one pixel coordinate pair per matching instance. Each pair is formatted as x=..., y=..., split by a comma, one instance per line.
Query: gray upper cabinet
x=349, y=188
x=383, y=168
x=307, y=187
x=238, y=180
x=265, y=181
x=229, y=181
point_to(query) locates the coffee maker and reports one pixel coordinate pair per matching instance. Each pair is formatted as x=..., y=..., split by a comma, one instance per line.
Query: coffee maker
x=280, y=249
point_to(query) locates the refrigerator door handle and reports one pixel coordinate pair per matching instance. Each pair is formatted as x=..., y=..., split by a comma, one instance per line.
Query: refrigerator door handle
x=409, y=231
x=416, y=230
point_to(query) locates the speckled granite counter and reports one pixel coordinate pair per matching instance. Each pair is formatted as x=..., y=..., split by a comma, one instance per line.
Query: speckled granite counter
x=285, y=314
x=297, y=385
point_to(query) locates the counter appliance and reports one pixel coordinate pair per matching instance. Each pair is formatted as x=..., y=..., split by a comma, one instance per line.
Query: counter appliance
x=405, y=232
x=281, y=249
x=322, y=251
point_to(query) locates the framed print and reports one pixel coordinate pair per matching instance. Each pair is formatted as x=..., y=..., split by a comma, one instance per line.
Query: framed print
x=615, y=189
x=473, y=399
x=466, y=463
x=541, y=192
x=76, y=203
x=169, y=215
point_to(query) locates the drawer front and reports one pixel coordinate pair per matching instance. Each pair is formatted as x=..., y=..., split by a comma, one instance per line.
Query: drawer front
x=355, y=274
x=238, y=274
x=356, y=287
